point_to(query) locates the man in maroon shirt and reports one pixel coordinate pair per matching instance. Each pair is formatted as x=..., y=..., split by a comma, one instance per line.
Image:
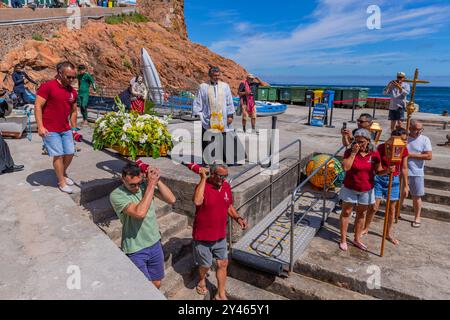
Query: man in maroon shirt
x=55, y=103
x=214, y=203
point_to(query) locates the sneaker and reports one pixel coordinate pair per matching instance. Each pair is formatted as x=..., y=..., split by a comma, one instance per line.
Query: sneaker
x=66, y=189
x=69, y=182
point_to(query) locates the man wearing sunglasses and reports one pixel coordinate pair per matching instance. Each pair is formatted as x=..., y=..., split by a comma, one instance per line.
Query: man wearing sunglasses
x=364, y=121
x=134, y=205
x=214, y=203
x=55, y=105
x=398, y=90
x=420, y=150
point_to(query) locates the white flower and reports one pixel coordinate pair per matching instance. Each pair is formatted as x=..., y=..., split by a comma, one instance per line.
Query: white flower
x=159, y=132
x=143, y=139
x=140, y=124
x=126, y=126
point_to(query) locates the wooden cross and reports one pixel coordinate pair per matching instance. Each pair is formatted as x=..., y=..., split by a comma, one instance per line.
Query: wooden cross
x=410, y=109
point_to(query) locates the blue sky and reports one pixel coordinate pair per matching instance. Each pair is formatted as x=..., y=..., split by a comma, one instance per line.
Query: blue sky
x=327, y=41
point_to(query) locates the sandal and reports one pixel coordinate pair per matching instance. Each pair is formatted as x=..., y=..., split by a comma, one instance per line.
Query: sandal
x=415, y=224
x=201, y=290
x=343, y=246
x=392, y=240
x=360, y=245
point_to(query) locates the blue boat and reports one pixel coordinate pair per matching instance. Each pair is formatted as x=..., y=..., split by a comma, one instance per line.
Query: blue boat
x=265, y=109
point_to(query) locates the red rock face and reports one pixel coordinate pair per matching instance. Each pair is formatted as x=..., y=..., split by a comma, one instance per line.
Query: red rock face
x=112, y=54
x=168, y=13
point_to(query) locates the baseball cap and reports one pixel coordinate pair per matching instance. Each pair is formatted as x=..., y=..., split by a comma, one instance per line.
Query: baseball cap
x=401, y=74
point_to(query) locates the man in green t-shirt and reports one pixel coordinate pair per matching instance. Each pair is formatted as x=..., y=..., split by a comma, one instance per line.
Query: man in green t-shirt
x=133, y=204
x=85, y=80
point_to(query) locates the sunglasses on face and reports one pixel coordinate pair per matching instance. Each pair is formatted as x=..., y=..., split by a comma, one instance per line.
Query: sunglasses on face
x=134, y=185
x=221, y=177
x=362, y=121
x=417, y=130
x=360, y=141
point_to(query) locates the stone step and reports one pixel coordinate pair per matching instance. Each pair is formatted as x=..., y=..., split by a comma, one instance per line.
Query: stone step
x=169, y=225
x=437, y=182
x=101, y=210
x=178, y=276
x=177, y=247
x=189, y=293
x=93, y=190
x=438, y=196
x=239, y=290
x=351, y=284
x=434, y=171
x=294, y=287
x=429, y=210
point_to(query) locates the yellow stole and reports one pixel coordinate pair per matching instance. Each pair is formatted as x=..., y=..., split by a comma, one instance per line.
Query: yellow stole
x=216, y=107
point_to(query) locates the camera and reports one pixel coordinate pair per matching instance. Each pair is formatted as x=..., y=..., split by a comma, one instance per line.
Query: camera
x=344, y=126
x=143, y=166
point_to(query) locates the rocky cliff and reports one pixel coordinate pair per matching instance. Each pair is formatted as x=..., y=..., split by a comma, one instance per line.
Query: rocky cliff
x=112, y=54
x=168, y=13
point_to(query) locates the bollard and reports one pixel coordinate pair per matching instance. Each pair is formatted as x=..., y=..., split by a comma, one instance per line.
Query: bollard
x=353, y=112
x=374, y=109
x=331, y=118
x=445, y=125
x=309, y=103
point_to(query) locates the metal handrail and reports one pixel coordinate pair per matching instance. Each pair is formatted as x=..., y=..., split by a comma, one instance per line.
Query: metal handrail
x=260, y=163
x=253, y=166
x=293, y=200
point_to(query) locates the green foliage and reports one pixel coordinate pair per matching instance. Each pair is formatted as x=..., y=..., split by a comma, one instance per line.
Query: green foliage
x=132, y=131
x=37, y=37
x=148, y=109
x=123, y=18
x=127, y=64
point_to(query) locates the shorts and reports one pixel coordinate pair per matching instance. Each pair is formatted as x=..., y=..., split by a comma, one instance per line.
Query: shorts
x=397, y=115
x=150, y=261
x=417, y=186
x=59, y=143
x=205, y=251
x=356, y=197
x=246, y=113
x=381, y=187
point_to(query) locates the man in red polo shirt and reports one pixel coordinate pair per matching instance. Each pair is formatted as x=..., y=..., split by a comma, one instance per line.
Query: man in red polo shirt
x=55, y=103
x=214, y=203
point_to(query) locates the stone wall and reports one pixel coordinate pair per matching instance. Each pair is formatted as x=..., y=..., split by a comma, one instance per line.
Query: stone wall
x=12, y=37
x=168, y=13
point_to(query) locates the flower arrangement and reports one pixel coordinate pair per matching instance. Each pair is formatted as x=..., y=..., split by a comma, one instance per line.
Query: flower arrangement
x=132, y=134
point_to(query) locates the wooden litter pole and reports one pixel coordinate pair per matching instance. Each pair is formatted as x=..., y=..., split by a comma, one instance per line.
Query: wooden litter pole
x=410, y=108
x=386, y=214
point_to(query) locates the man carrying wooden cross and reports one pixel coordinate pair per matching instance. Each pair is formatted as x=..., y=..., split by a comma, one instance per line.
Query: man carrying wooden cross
x=398, y=90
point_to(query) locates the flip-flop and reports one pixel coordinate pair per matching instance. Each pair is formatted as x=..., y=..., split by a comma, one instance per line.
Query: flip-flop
x=391, y=240
x=415, y=224
x=343, y=246
x=360, y=245
x=201, y=290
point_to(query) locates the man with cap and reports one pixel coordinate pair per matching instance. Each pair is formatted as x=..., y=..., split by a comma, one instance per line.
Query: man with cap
x=398, y=90
x=247, y=92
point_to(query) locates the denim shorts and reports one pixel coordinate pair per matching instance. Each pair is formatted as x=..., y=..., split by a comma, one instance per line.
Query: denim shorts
x=396, y=115
x=356, y=197
x=59, y=143
x=205, y=251
x=150, y=261
x=417, y=186
x=381, y=187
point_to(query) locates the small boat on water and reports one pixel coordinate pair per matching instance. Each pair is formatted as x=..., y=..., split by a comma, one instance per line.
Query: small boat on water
x=266, y=109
